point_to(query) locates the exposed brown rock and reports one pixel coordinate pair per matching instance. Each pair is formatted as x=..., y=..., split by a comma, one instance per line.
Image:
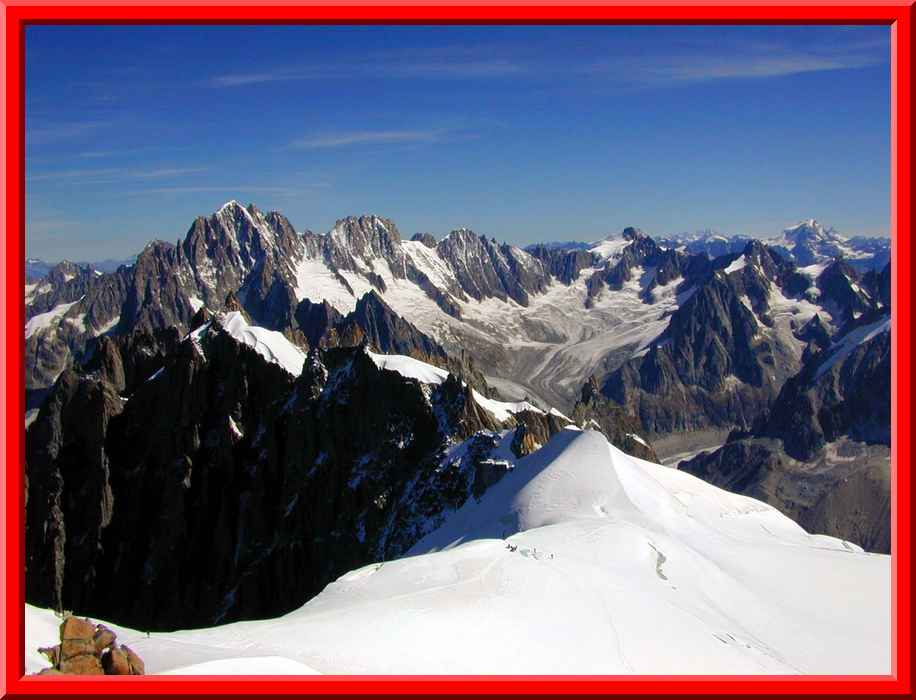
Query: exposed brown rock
x=103, y=638
x=115, y=662
x=137, y=667
x=76, y=628
x=232, y=302
x=90, y=649
x=524, y=442
x=84, y=664
x=75, y=647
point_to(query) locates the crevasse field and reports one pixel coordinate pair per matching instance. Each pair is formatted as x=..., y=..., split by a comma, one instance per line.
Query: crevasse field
x=582, y=560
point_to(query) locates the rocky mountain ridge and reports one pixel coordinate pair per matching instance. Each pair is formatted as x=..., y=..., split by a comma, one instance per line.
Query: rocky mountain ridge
x=728, y=349
x=539, y=323
x=821, y=453
x=174, y=481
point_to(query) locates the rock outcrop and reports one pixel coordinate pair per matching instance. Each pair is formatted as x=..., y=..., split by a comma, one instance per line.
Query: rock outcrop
x=90, y=649
x=594, y=411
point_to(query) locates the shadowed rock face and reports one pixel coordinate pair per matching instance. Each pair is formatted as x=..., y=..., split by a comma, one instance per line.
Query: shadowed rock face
x=877, y=284
x=564, y=264
x=822, y=453
x=427, y=239
x=221, y=477
x=319, y=322
x=724, y=358
x=218, y=487
x=839, y=286
x=682, y=383
x=848, y=398
x=69, y=496
x=383, y=329
x=620, y=428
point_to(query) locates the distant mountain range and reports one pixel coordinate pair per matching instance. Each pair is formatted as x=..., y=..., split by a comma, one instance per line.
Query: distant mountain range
x=258, y=404
x=806, y=243
x=36, y=269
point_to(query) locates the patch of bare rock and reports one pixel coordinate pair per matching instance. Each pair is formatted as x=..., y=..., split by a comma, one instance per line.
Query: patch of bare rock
x=90, y=649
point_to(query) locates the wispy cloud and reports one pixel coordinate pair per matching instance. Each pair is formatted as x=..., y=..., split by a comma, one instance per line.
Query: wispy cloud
x=164, y=172
x=241, y=79
x=761, y=67
x=109, y=153
x=696, y=64
x=76, y=174
x=490, y=68
x=50, y=227
x=112, y=174
x=229, y=189
x=753, y=62
x=402, y=68
x=61, y=132
x=351, y=138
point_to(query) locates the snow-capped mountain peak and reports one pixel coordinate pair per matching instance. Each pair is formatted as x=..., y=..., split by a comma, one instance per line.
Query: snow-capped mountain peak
x=612, y=245
x=231, y=204
x=808, y=230
x=809, y=242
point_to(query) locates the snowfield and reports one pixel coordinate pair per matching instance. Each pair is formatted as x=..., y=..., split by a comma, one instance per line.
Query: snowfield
x=546, y=349
x=410, y=368
x=48, y=319
x=424, y=373
x=580, y=560
x=271, y=345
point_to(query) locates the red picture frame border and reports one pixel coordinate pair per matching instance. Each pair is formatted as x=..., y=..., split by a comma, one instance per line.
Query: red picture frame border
x=17, y=15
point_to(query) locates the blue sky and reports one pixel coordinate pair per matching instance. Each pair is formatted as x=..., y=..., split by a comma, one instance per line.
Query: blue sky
x=522, y=133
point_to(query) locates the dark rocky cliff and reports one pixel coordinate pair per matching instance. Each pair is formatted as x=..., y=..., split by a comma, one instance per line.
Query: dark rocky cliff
x=821, y=454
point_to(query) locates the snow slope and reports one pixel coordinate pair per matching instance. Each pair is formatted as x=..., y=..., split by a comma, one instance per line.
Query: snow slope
x=271, y=345
x=48, y=319
x=429, y=374
x=580, y=560
x=410, y=367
